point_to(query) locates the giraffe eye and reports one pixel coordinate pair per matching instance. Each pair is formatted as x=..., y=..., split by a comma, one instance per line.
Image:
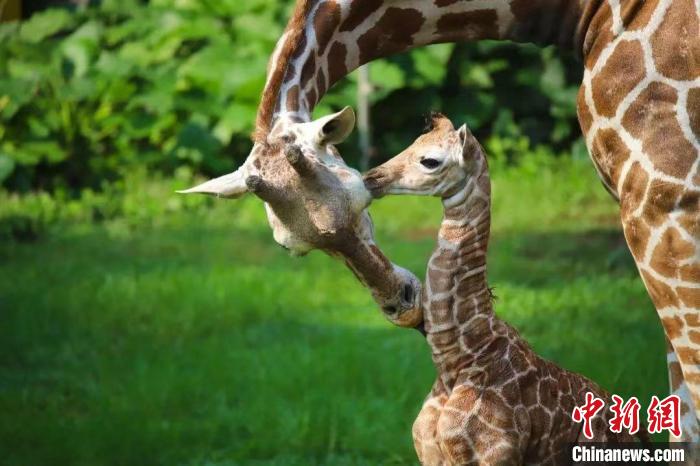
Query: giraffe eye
x=430, y=163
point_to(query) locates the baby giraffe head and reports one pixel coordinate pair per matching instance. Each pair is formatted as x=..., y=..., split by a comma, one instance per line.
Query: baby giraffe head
x=438, y=163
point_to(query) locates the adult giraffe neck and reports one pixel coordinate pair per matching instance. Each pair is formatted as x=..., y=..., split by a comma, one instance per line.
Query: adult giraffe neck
x=327, y=39
x=458, y=313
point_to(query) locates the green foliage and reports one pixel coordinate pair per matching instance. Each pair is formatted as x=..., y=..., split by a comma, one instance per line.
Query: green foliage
x=88, y=96
x=521, y=94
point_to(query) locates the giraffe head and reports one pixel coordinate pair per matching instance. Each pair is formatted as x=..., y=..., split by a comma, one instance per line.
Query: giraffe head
x=314, y=200
x=438, y=163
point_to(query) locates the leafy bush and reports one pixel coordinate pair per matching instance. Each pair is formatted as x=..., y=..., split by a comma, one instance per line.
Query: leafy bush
x=87, y=97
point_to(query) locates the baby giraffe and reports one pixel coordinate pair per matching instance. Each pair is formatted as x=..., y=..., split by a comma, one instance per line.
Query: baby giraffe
x=495, y=402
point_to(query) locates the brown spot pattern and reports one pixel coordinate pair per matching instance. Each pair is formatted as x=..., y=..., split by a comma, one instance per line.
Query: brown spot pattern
x=633, y=188
x=311, y=98
x=610, y=154
x=671, y=249
x=391, y=34
x=693, y=108
x=691, y=223
x=307, y=71
x=584, y=113
x=300, y=47
x=360, y=11
x=522, y=9
x=336, y=63
x=637, y=236
x=623, y=70
x=321, y=82
x=661, y=199
x=688, y=355
x=469, y=25
x=325, y=22
x=439, y=279
x=599, y=35
x=690, y=273
x=676, y=44
x=689, y=296
x=662, y=294
x=694, y=336
x=673, y=326
x=637, y=13
x=293, y=99
x=290, y=72
x=674, y=370
x=692, y=319
x=652, y=119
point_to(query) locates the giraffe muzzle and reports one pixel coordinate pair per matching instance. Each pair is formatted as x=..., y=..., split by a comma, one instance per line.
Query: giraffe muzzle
x=407, y=311
x=376, y=181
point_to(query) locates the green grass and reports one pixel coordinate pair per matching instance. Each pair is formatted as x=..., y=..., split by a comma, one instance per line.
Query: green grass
x=195, y=340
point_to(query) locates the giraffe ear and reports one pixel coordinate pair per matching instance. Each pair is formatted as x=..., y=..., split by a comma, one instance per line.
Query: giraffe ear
x=462, y=133
x=335, y=128
x=467, y=141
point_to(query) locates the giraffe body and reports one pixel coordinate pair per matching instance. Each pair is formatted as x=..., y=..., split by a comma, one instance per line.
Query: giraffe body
x=495, y=401
x=639, y=109
x=496, y=415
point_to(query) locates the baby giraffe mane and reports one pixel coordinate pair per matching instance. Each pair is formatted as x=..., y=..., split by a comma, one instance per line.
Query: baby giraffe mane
x=432, y=121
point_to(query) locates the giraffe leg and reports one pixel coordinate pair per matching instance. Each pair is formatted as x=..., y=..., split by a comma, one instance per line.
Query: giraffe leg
x=424, y=431
x=663, y=232
x=478, y=430
x=690, y=429
x=689, y=422
x=640, y=114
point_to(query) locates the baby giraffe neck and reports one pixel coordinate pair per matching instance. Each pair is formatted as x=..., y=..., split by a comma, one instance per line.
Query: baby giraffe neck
x=458, y=312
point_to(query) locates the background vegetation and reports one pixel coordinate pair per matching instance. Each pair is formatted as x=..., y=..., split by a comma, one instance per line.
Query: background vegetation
x=140, y=327
x=87, y=96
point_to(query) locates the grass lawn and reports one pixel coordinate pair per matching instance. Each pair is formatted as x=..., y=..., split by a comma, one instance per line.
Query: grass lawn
x=195, y=340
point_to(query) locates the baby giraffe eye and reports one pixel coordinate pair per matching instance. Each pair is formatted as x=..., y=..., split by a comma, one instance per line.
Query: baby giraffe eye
x=430, y=163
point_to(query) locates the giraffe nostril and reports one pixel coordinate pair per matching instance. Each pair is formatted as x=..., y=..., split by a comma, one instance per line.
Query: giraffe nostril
x=374, y=183
x=408, y=293
x=370, y=181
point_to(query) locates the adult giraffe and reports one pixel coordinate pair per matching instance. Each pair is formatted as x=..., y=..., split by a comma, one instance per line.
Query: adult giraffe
x=639, y=109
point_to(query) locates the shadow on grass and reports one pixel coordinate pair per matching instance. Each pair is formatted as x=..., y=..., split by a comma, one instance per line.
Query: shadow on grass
x=539, y=259
x=250, y=391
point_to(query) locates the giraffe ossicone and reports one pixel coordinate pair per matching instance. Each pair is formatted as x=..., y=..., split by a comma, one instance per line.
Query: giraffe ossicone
x=314, y=200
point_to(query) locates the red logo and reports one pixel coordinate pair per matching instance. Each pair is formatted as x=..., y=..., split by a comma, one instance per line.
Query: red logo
x=586, y=412
x=665, y=415
x=626, y=415
x=661, y=414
